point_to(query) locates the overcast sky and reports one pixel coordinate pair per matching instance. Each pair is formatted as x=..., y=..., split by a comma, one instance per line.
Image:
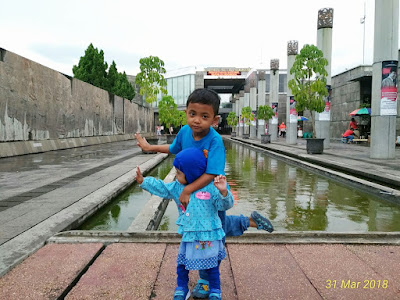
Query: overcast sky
x=218, y=33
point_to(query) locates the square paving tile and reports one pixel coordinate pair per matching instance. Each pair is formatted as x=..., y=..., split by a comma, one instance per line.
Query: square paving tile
x=268, y=272
x=337, y=273
x=48, y=272
x=122, y=271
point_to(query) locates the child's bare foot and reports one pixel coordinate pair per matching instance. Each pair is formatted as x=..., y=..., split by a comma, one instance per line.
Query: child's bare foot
x=260, y=222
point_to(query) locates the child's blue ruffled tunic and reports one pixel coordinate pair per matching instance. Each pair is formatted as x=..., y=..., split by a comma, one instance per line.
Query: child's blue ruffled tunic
x=201, y=246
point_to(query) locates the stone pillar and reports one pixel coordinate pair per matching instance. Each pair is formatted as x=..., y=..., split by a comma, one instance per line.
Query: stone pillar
x=246, y=102
x=260, y=101
x=384, y=89
x=291, y=113
x=253, y=102
x=274, y=99
x=324, y=43
x=237, y=111
x=241, y=105
x=234, y=104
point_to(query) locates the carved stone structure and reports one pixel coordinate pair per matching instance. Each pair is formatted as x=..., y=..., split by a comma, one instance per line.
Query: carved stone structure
x=275, y=64
x=325, y=18
x=292, y=47
x=261, y=75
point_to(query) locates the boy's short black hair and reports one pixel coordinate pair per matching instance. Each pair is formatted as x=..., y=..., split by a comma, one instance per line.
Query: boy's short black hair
x=205, y=96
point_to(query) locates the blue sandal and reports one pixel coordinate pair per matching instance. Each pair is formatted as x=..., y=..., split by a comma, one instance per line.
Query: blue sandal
x=262, y=222
x=201, y=289
x=181, y=294
x=215, y=295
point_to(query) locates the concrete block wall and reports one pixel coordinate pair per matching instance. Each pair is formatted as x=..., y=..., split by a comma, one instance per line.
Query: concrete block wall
x=38, y=103
x=345, y=99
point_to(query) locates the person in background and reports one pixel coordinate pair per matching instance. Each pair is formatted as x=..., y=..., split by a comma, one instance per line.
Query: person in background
x=348, y=135
x=353, y=125
x=202, y=246
x=282, y=129
x=299, y=132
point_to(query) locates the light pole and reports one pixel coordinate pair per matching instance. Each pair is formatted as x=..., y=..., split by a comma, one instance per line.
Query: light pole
x=362, y=21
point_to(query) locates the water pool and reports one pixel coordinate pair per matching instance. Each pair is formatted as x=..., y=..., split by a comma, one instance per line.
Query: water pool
x=294, y=199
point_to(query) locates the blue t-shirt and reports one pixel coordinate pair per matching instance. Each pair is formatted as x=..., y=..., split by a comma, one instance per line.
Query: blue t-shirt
x=212, y=144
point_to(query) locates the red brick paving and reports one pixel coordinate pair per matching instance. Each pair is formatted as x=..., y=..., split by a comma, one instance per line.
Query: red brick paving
x=384, y=260
x=251, y=271
x=48, y=272
x=122, y=271
x=268, y=272
x=338, y=273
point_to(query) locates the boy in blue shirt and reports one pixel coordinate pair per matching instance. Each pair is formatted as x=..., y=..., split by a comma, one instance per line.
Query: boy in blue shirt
x=201, y=113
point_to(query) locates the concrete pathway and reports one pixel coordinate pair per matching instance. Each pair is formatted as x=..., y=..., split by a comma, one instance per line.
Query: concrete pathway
x=43, y=194
x=146, y=270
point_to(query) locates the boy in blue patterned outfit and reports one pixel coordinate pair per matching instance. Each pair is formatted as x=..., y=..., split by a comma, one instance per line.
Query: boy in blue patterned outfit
x=201, y=113
x=202, y=246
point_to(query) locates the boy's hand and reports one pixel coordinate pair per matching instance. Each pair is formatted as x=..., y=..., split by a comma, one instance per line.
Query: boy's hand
x=184, y=198
x=142, y=142
x=220, y=184
x=139, y=176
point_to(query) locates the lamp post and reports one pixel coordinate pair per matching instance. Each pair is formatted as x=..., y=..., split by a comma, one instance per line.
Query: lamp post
x=362, y=21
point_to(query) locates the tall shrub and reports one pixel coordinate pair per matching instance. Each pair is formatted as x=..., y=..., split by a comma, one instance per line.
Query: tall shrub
x=309, y=83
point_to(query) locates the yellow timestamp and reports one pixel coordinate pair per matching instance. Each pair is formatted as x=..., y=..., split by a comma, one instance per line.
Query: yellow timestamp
x=350, y=284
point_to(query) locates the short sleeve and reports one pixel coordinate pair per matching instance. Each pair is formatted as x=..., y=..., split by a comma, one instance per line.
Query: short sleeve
x=216, y=158
x=176, y=145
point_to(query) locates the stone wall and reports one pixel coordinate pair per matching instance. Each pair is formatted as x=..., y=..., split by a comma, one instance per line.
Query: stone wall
x=348, y=90
x=345, y=99
x=38, y=103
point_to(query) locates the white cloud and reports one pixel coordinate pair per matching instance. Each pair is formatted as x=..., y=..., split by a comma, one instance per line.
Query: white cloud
x=182, y=33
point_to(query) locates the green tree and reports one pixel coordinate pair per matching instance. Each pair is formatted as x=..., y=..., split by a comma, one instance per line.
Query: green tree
x=182, y=118
x=168, y=111
x=232, y=119
x=119, y=84
x=92, y=68
x=309, y=83
x=150, y=79
x=265, y=112
x=247, y=115
x=112, y=78
x=123, y=87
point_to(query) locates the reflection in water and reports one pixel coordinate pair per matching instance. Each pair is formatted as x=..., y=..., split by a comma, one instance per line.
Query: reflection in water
x=297, y=200
x=120, y=213
x=292, y=198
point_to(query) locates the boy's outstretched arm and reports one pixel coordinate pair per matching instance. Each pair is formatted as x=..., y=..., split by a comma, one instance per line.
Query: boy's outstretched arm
x=199, y=183
x=142, y=143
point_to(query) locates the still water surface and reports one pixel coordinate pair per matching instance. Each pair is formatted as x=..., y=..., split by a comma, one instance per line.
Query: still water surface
x=293, y=199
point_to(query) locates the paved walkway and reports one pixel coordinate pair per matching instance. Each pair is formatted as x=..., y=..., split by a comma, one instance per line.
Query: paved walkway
x=43, y=194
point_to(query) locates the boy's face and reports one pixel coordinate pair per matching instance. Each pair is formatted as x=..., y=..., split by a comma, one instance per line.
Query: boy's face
x=200, y=117
x=180, y=176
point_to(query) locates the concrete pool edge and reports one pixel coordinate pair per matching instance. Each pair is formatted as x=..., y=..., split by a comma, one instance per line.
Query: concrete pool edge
x=293, y=237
